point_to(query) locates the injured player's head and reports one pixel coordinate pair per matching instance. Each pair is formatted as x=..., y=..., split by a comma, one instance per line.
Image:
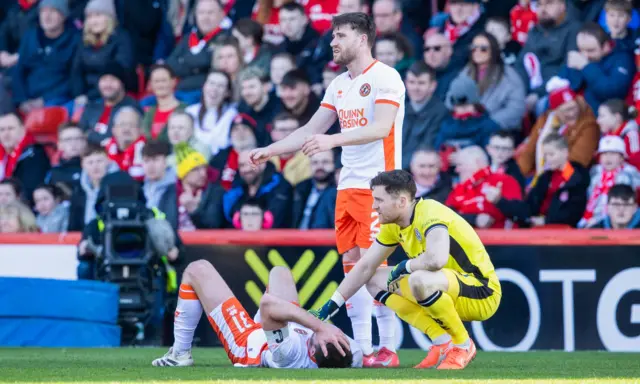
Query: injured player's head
x=334, y=358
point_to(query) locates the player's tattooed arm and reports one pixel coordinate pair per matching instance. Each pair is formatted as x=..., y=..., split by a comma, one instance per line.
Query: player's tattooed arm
x=436, y=253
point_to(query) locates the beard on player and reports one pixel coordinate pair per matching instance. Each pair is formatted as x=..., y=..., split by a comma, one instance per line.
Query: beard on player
x=344, y=56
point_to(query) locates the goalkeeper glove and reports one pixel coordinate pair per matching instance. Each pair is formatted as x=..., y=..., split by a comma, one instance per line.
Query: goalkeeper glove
x=396, y=274
x=330, y=308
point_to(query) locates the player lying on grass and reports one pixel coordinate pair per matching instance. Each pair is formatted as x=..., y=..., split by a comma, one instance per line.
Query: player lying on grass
x=447, y=279
x=286, y=336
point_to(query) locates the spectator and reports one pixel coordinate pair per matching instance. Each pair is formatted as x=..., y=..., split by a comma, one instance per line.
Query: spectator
x=523, y=18
x=264, y=184
x=437, y=54
x=266, y=12
x=598, y=71
x=72, y=143
x=281, y=64
x=501, y=90
x=191, y=59
x=395, y=51
x=180, y=16
x=509, y=49
x=125, y=147
x=257, y=104
x=21, y=16
x=321, y=13
x=431, y=181
x=296, y=95
x=614, y=119
x=584, y=11
x=610, y=171
x=228, y=57
x=254, y=53
x=300, y=39
x=546, y=49
x=423, y=113
x=158, y=176
x=476, y=177
x=20, y=156
x=559, y=194
x=195, y=200
x=53, y=211
x=242, y=137
x=10, y=190
x=97, y=118
x=465, y=20
x=95, y=165
x=314, y=199
x=252, y=217
x=569, y=115
x=44, y=69
x=468, y=123
x=618, y=16
x=501, y=148
x=16, y=217
x=215, y=112
x=388, y=18
x=295, y=167
x=622, y=209
x=103, y=43
x=181, y=130
x=162, y=82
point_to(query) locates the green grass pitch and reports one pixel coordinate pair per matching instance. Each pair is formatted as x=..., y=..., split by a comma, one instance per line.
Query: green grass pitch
x=26, y=365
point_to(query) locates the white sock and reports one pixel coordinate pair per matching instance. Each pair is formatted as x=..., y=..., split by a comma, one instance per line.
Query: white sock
x=465, y=345
x=359, y=309
x=385, y=318
x=444, y=339
x=187, y=316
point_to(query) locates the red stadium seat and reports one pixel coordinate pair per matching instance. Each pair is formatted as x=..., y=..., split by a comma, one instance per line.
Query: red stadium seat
x=43, y=123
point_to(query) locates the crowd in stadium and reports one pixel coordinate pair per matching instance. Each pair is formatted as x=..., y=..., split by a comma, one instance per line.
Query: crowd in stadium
x=519, y=113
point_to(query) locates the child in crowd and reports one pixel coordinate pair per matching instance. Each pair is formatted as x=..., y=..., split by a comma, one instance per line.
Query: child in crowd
x=53, y=211
x=16, y=217
x=614, y=119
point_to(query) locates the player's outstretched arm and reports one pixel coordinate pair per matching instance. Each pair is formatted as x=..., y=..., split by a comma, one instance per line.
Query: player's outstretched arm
x=320, y=122
x=435, y=257
x=384, y=118
x=361, y=273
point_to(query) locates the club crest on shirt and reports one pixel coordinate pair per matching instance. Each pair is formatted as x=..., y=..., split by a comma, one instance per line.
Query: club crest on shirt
x=365, y=90
x=418, y=234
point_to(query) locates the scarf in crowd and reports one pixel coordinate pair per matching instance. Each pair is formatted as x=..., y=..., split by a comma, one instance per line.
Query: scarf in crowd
x=27, y=4
x=12, y=158
x=453, y=32
x=196, y=44
x=607, y=179
x=125, y=159
x=229, y=171
x=466, y=115
x=558, y=180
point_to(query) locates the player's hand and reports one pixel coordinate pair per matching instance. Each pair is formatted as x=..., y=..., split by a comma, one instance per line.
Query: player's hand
x=330, y=334
x=396, y=274
x=327, y=311
x=316, y=144
x=260, y=155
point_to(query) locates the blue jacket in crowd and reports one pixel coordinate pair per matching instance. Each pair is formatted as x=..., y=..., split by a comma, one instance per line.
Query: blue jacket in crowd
x=44, y=67
x=609, y=78
x=466, y=132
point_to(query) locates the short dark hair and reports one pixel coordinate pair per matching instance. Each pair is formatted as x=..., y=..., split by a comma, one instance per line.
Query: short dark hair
x=420, y=68
x=15, y=184
x=622, y=192
x=617, y=107
x=68, y=125
x=93, y=149
x=284, y=115
x=503, y=135
x=402, y=43
x=359, y=22
x=295, y=77
x=334, y=358
x=557, y=139
x=595, y=30
x=165, y=67
x=250, y=28
x=619, y=5
x=156, y=148
x=293, y=6
x=54, y=190
x=395, y=182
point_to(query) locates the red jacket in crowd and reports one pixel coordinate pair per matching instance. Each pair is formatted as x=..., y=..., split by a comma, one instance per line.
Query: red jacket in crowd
x=628, y=132
x=467, y=198
x=522, y=20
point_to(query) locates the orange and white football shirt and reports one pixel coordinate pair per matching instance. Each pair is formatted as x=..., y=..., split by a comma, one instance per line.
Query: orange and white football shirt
x=354, y=101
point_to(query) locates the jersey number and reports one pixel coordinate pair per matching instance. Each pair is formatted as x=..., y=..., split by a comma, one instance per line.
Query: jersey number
x=279, y=336
x=243, y=319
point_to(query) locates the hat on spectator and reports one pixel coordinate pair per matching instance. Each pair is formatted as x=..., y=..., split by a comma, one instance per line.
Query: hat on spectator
x=187, y=159
x=559, y=91
x=244, y=119
x=116, y=70
x=61, y=6
x=611, y=143
x=101, y=6
x=463, y=90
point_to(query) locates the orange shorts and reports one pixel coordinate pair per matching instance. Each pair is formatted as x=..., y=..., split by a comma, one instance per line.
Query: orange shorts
x=242, y=338
x=356, y=221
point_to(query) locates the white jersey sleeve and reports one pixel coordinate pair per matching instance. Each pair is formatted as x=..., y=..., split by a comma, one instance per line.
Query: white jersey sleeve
x=328, y=101
x=292, y=351
x=390, y=89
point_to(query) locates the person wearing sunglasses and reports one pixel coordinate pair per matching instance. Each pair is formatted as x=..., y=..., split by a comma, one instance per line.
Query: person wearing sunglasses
x=501, y=90
x=437, y=53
